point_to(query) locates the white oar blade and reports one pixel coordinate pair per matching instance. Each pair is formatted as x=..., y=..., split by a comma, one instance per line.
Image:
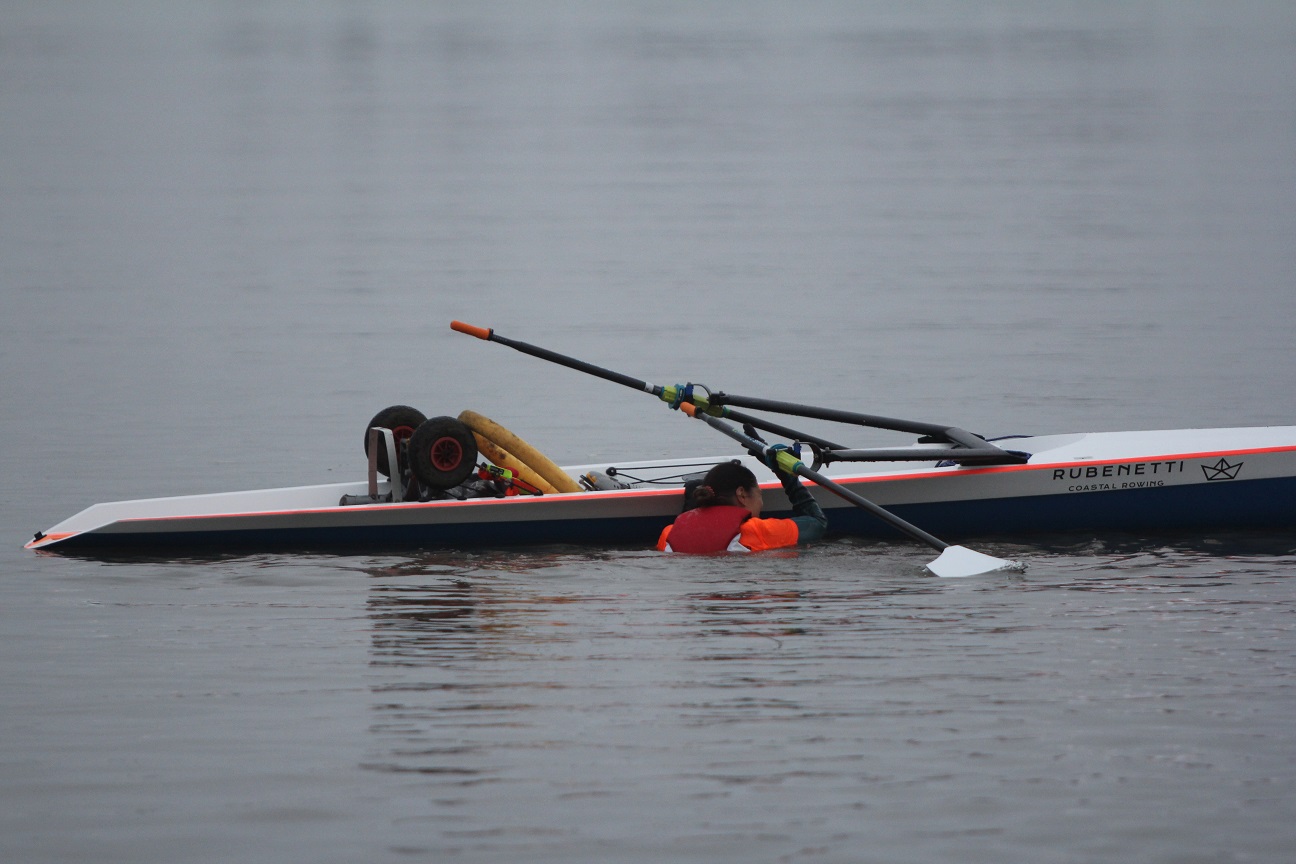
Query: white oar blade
x=959, y=561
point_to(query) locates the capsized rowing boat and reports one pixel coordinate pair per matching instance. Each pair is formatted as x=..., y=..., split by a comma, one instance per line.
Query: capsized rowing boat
x=1170, y=480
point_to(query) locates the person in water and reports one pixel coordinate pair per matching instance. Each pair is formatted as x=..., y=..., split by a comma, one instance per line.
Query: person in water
x=727, y=517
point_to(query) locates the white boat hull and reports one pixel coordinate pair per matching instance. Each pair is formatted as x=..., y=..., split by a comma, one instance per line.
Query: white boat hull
x=1192, y=479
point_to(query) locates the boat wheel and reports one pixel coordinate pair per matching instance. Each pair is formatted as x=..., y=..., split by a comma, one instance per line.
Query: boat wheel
x=442, y=452
x=402, y=420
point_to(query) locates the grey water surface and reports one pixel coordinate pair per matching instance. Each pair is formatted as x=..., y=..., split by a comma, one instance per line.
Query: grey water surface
x=231, y=232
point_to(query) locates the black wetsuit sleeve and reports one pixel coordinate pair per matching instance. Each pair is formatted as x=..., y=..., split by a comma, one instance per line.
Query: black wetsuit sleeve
x=810, y=519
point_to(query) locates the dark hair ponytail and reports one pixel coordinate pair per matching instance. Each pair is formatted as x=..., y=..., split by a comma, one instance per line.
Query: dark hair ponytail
x=722, y=483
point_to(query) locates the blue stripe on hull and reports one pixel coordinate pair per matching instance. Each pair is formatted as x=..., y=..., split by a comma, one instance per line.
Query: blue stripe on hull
x=1269, y=504
x=640, y=531
x=1235, y=504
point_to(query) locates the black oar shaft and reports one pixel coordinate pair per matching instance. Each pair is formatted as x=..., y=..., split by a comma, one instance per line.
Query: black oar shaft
x=832, y=414
x=976, y=447
x=885, y=515
x=777, y=429
x=554, y=357
x=616, y=377
x=831, y=485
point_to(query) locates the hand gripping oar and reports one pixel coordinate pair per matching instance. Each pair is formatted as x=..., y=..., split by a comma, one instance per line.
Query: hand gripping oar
x=954, y=561
x=666, y=394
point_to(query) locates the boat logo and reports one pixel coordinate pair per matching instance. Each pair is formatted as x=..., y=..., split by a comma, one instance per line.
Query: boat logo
x=1221, y=470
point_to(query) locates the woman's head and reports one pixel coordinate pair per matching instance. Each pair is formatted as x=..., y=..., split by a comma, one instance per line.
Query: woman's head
x=730, y=483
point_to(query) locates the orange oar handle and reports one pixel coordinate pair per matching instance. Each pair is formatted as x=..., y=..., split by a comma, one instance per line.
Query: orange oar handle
x=479, y=332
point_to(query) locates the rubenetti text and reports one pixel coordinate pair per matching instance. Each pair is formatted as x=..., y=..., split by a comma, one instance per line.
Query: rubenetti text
x=1129, y=469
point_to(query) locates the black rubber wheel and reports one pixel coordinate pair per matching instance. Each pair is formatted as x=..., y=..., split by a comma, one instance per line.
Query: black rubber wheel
x=402, y=420
x=442, y=453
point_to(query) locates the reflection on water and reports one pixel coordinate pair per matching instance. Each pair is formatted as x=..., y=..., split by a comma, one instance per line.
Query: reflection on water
x=451, y=605
x=433, y=618
x=413, y=622
x=729, y=702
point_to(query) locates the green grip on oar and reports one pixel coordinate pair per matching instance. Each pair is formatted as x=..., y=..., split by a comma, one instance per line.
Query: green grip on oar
x=671, y=395
x=788, y=461
x=681, y=395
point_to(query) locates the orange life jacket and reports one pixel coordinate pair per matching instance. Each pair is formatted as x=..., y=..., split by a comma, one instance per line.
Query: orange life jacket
x=715, y=529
